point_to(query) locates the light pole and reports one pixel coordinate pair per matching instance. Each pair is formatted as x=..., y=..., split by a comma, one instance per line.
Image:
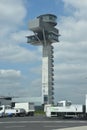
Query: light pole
x=45, y=34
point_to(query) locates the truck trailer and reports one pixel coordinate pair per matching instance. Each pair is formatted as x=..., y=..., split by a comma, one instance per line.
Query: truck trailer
x=27, y=106
x=66, y=109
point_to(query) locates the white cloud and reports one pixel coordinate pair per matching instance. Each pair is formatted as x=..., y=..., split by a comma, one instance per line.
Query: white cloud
x=14, y=53
x=71, y=52
x=9, y=81
x=20, y=36
x=12, y=11
x=79, y=8
x=79, y=4
x=74, y=26
x=10, y=73
x=12, y=36
x=71, y=73
x=73, y=30
x=14, y=49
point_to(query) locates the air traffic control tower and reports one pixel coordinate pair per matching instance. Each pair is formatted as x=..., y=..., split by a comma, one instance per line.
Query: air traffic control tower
x=45, y=34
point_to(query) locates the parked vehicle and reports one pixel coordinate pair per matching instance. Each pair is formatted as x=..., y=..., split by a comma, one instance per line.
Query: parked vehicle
x=27, y=106
x=66, y=109
x=7, y=111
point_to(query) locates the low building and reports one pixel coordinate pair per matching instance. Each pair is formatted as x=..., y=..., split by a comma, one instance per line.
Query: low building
x=5, y=100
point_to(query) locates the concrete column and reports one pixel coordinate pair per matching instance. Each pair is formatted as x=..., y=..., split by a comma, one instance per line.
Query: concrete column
x=47, y=74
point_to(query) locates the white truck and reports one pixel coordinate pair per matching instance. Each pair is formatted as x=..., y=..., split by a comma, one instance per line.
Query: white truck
x=27, y=106
x=66, y=109
x=6, y=110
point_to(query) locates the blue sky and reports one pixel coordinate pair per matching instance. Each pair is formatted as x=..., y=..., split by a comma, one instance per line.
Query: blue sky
x=20, y=63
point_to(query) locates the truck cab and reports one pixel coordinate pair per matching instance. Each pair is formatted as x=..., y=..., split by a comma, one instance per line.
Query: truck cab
x=1, y=111
x=7, y=110
x=64, y=103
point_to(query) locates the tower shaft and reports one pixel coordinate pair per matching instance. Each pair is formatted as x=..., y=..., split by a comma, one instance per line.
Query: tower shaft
x=47, y=74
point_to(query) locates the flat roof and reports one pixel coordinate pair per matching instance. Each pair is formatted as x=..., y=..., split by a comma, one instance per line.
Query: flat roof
x=6, y=97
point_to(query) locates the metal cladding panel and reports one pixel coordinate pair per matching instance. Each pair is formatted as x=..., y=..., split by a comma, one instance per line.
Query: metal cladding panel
x=34, y=25
x=5, y=102
x=37, y=25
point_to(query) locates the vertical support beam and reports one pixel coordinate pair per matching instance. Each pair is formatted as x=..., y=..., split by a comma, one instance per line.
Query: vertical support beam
x=47, y=74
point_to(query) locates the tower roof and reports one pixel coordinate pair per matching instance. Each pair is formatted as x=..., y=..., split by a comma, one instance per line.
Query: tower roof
x=49, y=18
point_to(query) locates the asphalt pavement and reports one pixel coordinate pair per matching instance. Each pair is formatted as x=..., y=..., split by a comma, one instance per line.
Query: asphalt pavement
x=75, y=128
x=41, y=123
